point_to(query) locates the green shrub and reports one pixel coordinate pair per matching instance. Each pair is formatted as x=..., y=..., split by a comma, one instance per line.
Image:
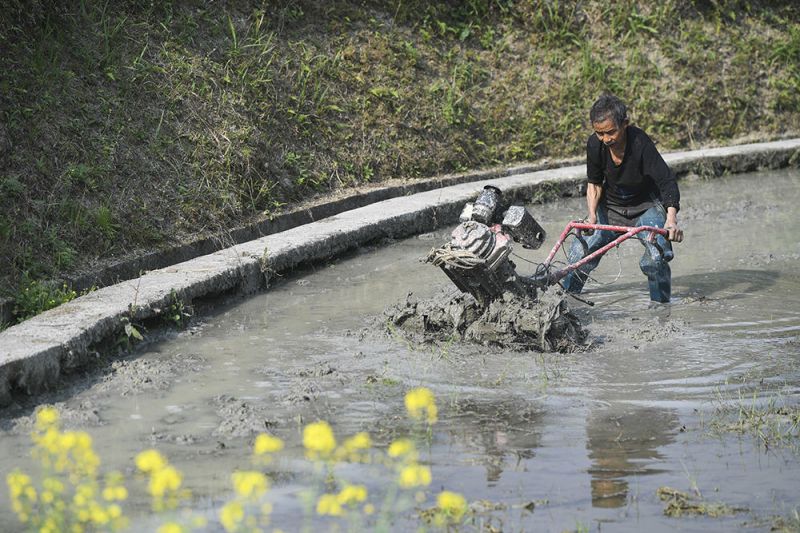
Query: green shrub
x=36, y=297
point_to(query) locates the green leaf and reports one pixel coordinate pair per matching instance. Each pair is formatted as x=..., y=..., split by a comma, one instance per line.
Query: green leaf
x=131, y=331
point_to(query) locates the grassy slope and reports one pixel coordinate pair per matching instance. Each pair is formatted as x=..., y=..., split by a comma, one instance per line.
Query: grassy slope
x=126, y=126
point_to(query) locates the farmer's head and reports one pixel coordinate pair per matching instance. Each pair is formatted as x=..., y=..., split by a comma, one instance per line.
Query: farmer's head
x=609, y=118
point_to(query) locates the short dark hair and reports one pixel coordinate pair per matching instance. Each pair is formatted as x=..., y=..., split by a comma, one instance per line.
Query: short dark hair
x=608, y=106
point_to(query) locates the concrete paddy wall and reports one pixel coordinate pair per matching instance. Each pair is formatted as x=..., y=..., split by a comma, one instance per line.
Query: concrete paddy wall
x=35, y=353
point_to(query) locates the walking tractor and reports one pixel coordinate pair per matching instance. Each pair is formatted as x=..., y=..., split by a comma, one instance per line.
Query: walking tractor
x=477, y=258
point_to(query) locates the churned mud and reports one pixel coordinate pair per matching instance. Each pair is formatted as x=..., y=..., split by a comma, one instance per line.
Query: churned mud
x=544, y=323
x=131, y=376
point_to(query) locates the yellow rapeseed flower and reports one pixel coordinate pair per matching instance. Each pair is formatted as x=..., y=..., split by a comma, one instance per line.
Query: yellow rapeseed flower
x=49, y=526
x=165, y=480
x=231, y=515
x=53, y=484
x=359, y=441
x=118, y=493
x=355, y=448
x=250, y=484
x=49, y=440
x=150, y=461
x=46, y=417
x=415, y=475
x=17, y=482
x=420, y=403
x=318, y=439
x=84, y=493
x=401, y=448
x=328, y=504
x=267, y=444
x=98, y=515
x=30, y=493
x=114, y=511
x=84, y=440
x=452, y=503
x=171, y=527
x=67, y=440
x=352, y=494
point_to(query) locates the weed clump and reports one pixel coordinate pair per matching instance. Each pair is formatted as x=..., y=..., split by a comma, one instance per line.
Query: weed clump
x=680, y=504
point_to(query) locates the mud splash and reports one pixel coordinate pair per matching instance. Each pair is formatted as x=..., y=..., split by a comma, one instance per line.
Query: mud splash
x=514, y=321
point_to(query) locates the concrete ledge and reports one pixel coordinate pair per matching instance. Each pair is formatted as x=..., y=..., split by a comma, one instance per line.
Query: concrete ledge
x=35, y=353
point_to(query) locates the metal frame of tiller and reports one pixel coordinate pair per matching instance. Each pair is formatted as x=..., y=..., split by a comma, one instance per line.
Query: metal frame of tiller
x=545, y=277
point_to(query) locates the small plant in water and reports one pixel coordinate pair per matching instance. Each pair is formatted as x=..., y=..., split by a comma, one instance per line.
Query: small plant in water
x=178, y=313
x=771, y=420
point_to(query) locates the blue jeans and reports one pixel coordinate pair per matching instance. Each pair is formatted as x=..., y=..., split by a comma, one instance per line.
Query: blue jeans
x=654, y=262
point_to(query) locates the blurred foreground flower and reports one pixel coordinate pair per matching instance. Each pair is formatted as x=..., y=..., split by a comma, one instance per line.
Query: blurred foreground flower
x=421, y=404
x=150, y=461
x=71, y=496
x=250, y=484
x=452, y=504
x=415, y=476
x=165, y=480
x=232, y=515
x=266, y=444
x=352, y=494
x=318, y=440
x=402, y=448
x=329, y=505
x=355, y=449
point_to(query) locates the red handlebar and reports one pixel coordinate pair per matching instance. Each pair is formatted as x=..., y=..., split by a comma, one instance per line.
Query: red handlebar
x=627, y=233
x=616, y=229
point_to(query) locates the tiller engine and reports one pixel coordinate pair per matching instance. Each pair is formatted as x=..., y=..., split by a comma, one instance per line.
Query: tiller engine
x=477, y=257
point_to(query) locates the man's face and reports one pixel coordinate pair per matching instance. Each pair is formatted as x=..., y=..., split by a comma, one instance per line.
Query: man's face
x=609, y=132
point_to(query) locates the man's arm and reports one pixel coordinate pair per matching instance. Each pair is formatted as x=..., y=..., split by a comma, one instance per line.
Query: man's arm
x=593, y=194
x=659, y=171
x=675, y=233
x=595, y=180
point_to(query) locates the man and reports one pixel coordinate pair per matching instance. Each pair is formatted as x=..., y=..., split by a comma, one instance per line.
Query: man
x=629, y=184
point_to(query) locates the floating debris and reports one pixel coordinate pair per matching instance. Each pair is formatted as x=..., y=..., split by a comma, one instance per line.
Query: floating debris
x=680, y=504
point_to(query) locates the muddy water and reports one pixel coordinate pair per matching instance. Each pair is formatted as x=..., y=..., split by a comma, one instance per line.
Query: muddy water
x=560, y=441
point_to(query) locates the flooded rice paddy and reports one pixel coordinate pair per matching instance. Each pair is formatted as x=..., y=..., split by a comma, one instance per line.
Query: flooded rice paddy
x=665, y=396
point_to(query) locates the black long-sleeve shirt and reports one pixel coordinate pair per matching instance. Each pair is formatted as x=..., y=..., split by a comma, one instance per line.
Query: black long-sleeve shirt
x=642, y=177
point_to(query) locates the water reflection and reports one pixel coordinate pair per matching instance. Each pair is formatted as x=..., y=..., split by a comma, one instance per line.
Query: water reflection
x=624, y=443
x=500, y=434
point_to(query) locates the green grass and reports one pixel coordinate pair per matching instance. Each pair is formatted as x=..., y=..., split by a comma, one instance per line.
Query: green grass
x=35, y=297
x=135, y=125
x=773, y=423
